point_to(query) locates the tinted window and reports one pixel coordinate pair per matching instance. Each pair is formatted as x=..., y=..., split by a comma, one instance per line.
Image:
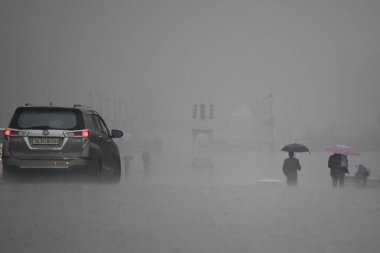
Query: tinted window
x=47, y=118
x=100, y=125
x=89, y=121
x=105, y=128
x=96, y=123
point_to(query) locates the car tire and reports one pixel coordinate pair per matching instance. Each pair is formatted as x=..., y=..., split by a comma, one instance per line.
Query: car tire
x=116, y=176
x=111, y=175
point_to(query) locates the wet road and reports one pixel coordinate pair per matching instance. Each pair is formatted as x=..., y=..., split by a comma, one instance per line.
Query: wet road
x=174, y=208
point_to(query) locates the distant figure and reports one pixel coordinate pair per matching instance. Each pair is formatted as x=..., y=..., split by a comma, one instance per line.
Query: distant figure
x=338, y=165
x=290, y=168
x=361, y=176
x=145, y=156
x=126, y=160
x=126, y=163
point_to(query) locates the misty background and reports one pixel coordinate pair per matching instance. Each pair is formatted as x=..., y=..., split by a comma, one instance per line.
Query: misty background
x=276, y=71
x=143, y=64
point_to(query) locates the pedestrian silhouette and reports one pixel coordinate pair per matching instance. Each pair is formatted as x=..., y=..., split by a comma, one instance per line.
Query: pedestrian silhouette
x=146, y=159
x=338, y=165
x=290, y=167
x=361, y=176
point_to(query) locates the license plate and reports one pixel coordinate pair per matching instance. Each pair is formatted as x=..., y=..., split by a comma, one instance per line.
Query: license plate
x=45, y=141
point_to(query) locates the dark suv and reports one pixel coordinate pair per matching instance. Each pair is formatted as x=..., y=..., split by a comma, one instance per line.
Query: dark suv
x=52, y=138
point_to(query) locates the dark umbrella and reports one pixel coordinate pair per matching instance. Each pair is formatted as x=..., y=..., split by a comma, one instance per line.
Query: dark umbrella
x=295, y=148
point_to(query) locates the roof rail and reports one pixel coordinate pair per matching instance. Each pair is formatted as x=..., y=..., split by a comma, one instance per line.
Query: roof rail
x=28, y=104
x=78, y=105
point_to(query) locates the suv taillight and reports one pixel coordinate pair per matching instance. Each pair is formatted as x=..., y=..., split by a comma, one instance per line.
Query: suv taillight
x=14, y=132
x=81, y=133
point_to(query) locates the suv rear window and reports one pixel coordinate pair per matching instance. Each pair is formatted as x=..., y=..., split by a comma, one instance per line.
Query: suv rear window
x=47, y=118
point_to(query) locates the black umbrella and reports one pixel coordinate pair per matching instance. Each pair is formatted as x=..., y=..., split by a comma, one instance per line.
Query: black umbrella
x=295, y=148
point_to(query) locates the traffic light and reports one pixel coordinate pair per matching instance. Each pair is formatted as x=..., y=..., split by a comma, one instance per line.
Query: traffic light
x=211, y=114
x=195, y=109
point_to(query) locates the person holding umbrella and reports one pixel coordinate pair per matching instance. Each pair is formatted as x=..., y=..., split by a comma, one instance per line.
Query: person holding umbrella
x=292, y=165
x=338, y=163
x=290, y=168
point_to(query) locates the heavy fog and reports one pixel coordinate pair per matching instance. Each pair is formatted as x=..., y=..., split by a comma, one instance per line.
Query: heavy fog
x=213, y=89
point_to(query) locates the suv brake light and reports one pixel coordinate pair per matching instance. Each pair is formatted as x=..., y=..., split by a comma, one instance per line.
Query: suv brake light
x=81, y=133
x=14, y=132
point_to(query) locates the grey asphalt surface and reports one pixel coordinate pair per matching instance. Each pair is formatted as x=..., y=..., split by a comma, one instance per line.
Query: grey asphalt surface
x=176, y=208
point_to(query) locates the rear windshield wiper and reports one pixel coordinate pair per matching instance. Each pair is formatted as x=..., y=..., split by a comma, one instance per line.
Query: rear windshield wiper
x=41, y=127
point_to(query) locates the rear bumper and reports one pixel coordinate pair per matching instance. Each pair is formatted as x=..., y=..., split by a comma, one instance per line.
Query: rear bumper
x=78, y=170
x=71, y=164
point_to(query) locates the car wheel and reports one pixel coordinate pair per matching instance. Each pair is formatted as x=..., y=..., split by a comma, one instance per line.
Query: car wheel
x=112, y=175
x=117, y=172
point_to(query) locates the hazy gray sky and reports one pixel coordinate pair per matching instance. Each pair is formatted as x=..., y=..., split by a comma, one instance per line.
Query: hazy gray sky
x=321, y=59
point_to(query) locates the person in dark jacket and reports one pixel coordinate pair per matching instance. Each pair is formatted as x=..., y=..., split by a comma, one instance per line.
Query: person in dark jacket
x=146, y=159
x=361, y=176
x=290, y=168
x=338, y=165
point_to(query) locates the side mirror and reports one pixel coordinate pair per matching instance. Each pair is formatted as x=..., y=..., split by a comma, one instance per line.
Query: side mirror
x=115, y=133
